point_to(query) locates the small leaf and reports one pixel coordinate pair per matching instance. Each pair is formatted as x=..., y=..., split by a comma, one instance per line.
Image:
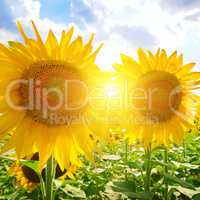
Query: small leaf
x=157, y=162
x=124, y=186
x=74, y=192
x=182, y=183
x=142, y=195
x=185, y=165
x=32, y=164
x=196, y=197
x=111, y=157
x=128, y=188
x=187, y=192
x=196, y=162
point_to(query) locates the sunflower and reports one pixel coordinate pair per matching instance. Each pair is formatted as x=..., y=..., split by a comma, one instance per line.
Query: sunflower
x=28, y=182
x=160, y=101
x=28, y=179
x=44, y=89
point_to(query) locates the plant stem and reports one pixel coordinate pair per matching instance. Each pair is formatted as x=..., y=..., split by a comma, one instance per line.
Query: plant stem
x=184, y=149
x=166, y=172
x=49, y=178
x=126, y=159
x=148, y=169
x=42, y=188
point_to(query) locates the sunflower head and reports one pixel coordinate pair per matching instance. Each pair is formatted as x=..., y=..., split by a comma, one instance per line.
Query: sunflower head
x=28, y=179
x=44, y=89
x=160, y=100
x=23, y=180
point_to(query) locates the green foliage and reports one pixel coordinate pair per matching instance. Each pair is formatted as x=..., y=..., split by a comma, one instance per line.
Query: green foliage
x=116, y=175
x=8, y=189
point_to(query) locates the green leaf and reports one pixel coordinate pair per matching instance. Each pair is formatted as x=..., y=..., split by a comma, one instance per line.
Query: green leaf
x=196, y=197
x=111, y=157
x=32, y=164
x=182, y=183
x=128, y=188
x=187, y=192
x=74, y=192
x=196, y=162
x=124, y=186
x=185, y=165
x=141, y=195
x=157, y=162
x=58, y=183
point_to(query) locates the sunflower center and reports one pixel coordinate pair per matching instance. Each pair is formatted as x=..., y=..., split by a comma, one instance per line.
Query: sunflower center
x=54, y=93
x=158, y=96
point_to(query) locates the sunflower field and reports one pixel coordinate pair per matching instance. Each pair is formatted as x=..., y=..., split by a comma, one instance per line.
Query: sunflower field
x=119, y=173
x=71, y=130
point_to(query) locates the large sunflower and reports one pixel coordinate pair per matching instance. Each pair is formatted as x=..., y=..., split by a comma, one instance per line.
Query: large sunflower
x=43, y=89
x=160, y=102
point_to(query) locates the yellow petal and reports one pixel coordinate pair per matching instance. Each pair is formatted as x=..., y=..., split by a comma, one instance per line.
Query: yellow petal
x=39, y=39
x=143, y=59
x=52, y=45
x=21, y=30
x=172, y=57
x=185, y=69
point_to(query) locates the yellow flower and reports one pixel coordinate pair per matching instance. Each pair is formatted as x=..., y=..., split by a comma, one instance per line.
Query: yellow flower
x=160, y=104
x=28, y=179
x=44, y=88
x=23, y=179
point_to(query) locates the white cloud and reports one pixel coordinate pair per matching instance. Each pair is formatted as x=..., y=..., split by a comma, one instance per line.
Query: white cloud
x=178, y=5
x=172, y=31
x=6, y=35
x=20, y=9
x=27, y=10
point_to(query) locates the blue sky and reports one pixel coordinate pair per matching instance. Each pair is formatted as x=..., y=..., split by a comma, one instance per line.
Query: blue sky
x=122, y=25
x=57, y=11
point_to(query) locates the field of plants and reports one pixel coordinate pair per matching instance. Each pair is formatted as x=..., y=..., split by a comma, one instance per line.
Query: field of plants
x=119, y=173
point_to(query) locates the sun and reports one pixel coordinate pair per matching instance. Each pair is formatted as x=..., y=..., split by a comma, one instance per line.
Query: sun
x=161, y=98
x=44, y=96
x=111, y=91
